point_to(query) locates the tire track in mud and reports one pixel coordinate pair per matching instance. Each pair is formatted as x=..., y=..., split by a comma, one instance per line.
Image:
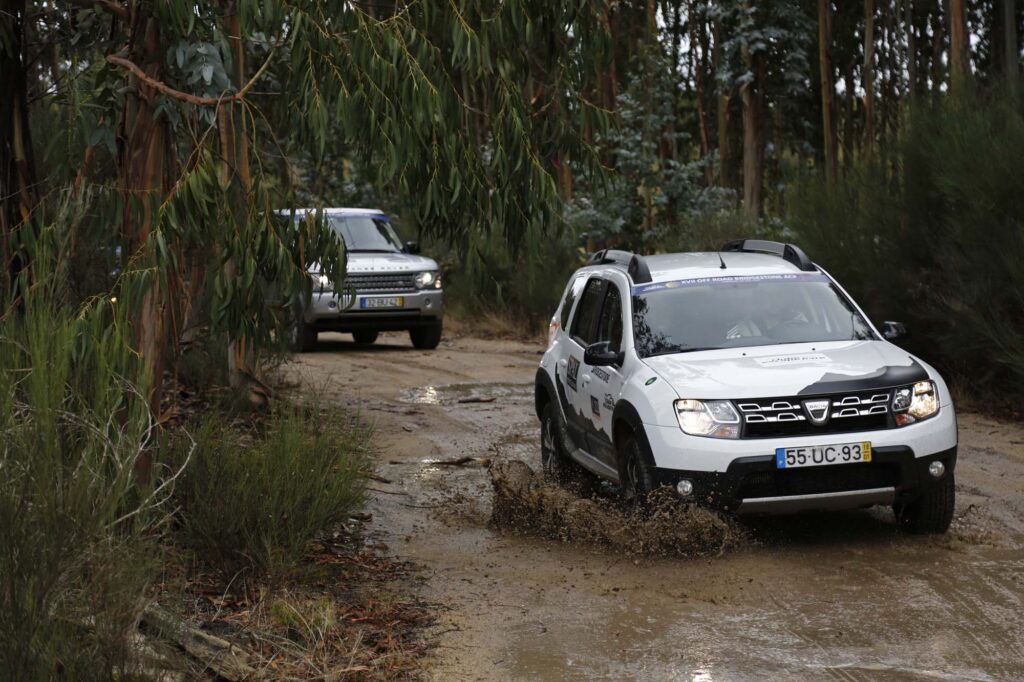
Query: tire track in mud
x=844, y=597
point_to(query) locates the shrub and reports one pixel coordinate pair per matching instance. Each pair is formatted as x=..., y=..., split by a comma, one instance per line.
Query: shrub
x=251, y=500
x=74, y=564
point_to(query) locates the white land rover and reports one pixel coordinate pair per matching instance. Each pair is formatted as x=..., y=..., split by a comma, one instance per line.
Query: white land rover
x=747, y=380
x=388, y=285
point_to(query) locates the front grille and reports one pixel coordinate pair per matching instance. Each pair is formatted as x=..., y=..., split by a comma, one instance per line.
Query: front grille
x=385, y=282
x=812, y=481
x=847, y=412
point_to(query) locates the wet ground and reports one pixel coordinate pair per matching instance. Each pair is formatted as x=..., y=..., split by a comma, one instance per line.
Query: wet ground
x=842, y=596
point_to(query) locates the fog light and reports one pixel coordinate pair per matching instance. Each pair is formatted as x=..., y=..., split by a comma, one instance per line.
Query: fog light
x=332, y=304
x=936, y=469
x=684, y=488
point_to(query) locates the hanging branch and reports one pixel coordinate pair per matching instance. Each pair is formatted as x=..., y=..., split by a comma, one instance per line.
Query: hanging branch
x=132, y=68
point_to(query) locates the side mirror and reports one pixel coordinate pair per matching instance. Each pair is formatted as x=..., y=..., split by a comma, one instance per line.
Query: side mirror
x=894, y=331
x=412, y=247
x=600, y=354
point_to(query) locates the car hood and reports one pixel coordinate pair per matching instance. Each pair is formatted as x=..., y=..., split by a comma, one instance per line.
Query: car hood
x=359, y=263
x=787, y=370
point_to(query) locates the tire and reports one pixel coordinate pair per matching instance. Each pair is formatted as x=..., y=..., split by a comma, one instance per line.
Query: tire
x=426, y=338
x=636, y=480
x=303, y=336
x=932, y=512
x=365, y=336
x=556, y=465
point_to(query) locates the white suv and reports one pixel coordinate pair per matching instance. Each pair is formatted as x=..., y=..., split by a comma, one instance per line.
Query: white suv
x=746, y=379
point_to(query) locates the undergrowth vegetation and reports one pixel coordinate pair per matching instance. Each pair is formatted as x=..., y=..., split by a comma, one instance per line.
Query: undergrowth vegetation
x=75, y=529
x=94, y=489
x=253, y=497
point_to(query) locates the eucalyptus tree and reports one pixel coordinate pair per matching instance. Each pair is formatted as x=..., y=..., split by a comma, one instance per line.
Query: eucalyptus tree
x=464, y=110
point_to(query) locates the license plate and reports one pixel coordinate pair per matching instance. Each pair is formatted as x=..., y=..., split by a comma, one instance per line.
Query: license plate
x=389, y=302
x=822, y=455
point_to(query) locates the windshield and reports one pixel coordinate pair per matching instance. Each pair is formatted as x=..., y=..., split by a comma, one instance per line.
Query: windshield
x=730, y=312
x=366, y=233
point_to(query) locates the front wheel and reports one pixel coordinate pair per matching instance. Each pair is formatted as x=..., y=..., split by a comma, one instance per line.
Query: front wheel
x=636, y=480
x=426, y=338
x=932, y=512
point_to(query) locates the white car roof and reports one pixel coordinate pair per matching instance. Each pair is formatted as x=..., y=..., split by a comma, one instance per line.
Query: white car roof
x=337, y=211
x=671, y=267
x=676, y=266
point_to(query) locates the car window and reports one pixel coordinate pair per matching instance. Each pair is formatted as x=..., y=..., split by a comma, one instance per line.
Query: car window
x=584, y=323
x=571, y=294
x=610, y=327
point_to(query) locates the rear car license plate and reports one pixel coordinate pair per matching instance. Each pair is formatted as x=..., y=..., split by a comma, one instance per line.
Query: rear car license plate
x=387, y=302
x=822, y=455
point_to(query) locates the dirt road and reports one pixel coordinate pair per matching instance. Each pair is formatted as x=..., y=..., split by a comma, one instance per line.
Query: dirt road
x=843, y=596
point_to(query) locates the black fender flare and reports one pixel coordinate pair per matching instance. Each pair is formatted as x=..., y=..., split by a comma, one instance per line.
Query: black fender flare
x=543, y=391
x=625, y=416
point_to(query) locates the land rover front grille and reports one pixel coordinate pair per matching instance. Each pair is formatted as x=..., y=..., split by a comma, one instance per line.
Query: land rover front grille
x=385, y=282
x=847, y=412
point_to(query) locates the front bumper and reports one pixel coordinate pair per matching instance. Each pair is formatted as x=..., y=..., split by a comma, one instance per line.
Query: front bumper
x=754, y=484
x=329, y=312
x=741, y=475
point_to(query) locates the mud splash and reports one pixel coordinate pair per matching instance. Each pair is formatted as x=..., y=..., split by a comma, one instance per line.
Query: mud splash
x=523, y=502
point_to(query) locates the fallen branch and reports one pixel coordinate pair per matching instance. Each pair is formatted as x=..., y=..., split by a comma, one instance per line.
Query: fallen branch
x=476, y=399
x=225, y=659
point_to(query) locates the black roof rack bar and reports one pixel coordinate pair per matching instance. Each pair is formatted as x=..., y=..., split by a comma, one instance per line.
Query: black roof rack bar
x=636, y=267
x=638, y=270
x=605, y=256
x=789, y=252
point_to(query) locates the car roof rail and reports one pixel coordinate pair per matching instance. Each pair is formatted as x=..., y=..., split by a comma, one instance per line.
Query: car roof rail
x=606, y=256
x=789, y=252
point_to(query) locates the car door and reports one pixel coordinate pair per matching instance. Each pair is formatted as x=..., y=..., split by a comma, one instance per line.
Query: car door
x=582, y=329
x=602, y=385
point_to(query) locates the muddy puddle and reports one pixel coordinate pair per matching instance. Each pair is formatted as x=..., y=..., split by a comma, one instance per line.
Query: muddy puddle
x=524, y=503
x=466, y=394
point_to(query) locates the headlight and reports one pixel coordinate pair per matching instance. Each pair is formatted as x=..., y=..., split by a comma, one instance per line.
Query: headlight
x=711, y=418
x=914, y=403
x=428, y=280
x=323, y=282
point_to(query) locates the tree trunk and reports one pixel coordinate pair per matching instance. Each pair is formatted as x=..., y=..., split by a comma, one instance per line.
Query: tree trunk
x=145, y=157
x=752, y=95
x=827, y=87
x=868, y=76
x=698, y=38
x=724, y=155
x=958, y=61
x=912, y=56
x=236, y=174
x=18, y=192
x=1011, y=56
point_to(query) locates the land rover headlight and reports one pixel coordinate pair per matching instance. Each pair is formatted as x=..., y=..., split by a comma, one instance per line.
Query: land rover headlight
x=914, y=403
x=428, y=280
x=710, y=418
x=323, y=282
